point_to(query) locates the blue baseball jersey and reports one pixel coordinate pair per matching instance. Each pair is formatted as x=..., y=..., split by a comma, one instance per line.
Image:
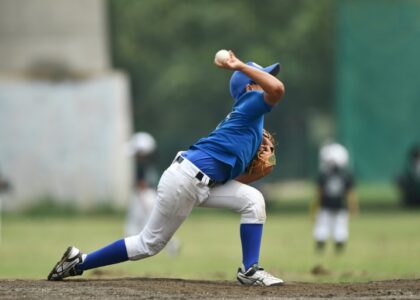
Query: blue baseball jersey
x=236, y=139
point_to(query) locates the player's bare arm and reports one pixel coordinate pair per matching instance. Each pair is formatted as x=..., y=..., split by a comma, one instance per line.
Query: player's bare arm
x=315, y=205
x=272, y=87
x=352, y=203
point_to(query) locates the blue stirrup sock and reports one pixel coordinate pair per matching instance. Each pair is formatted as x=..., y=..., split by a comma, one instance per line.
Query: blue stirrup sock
x=112, y=254
x=251, y=235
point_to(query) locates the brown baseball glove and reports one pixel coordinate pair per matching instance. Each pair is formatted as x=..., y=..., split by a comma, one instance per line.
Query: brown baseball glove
x=263, y=162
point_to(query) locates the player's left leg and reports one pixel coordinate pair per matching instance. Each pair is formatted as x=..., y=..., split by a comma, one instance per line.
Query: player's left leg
x=249, y=202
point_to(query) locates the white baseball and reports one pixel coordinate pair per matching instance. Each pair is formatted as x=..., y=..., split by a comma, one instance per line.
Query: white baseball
x=222, y=56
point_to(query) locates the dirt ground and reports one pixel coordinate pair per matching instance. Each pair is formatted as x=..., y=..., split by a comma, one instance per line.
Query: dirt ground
x=147, y=288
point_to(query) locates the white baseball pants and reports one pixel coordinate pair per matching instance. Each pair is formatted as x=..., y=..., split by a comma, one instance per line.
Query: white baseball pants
x=139, y=210
x=331, y=223
x=178, y=193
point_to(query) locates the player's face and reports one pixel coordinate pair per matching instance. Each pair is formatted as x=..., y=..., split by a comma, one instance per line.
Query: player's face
x=253, y=87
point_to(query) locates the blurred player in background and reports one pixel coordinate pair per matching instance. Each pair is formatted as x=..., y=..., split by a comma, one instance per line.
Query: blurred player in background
x=4, y=187
x=335, y=197
x=409, y=180
x=4, y=184
x=142, y=147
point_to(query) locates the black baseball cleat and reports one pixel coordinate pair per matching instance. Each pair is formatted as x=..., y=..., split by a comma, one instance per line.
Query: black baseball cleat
x=256, y=275
x=66, y=267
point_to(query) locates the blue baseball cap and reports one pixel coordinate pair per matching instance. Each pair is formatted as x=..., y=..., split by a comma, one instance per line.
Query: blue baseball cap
x=239, y=80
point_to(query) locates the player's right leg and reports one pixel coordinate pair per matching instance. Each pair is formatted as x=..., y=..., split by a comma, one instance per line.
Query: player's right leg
x=177, y=195
x=67, y=265
x=321, y=231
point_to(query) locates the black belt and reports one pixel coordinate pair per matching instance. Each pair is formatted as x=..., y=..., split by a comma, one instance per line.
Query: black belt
x=200, y=175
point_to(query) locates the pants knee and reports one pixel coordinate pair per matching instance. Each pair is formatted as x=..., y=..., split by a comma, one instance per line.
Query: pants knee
x=254, y=212
x=321, y=233
x=142, y=245
x=341, y=235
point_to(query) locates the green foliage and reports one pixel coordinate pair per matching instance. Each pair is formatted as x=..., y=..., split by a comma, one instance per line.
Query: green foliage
x=49, y=207
x=167, y=47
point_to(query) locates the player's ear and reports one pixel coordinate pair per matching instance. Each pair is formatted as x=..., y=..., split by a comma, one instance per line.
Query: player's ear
x=248, y=88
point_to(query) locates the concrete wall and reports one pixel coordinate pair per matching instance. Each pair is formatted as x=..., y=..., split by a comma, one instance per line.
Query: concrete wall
x=65, y=140
x=65, y=115
x=69, y=32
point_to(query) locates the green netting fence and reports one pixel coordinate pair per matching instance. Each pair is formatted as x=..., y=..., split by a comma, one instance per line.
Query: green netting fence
x=378, y=83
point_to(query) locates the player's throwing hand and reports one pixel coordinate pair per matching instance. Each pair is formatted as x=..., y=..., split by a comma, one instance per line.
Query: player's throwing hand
x=232, y=63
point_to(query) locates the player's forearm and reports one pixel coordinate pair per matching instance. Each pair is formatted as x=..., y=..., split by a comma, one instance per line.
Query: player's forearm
x=270, y=84
x=313, y=209
x=352, y=202
x=318, y=199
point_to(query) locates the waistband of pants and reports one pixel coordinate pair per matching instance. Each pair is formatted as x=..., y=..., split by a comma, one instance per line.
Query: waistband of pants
x=192, y=170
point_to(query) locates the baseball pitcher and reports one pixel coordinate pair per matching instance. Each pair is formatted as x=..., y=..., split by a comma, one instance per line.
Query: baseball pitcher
x=212, y=173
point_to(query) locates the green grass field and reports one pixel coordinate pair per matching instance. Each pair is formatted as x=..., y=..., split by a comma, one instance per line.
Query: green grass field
x=384, y=244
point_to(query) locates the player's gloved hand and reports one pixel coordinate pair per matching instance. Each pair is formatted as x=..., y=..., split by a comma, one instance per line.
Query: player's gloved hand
x=263, y=162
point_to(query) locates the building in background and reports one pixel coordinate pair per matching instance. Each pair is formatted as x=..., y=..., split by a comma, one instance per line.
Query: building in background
x=64, y=113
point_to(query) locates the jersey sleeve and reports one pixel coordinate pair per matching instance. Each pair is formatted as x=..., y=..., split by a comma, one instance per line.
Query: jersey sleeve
x=253, y=104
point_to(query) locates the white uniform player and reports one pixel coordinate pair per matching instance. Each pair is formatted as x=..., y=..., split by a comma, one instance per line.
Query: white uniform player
x=142, y=148
x=335, y=197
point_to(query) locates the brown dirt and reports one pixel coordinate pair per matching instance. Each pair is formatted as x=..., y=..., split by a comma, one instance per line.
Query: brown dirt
x=147, y=288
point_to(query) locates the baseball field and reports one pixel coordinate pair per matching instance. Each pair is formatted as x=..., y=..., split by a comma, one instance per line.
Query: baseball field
x=382, y=259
